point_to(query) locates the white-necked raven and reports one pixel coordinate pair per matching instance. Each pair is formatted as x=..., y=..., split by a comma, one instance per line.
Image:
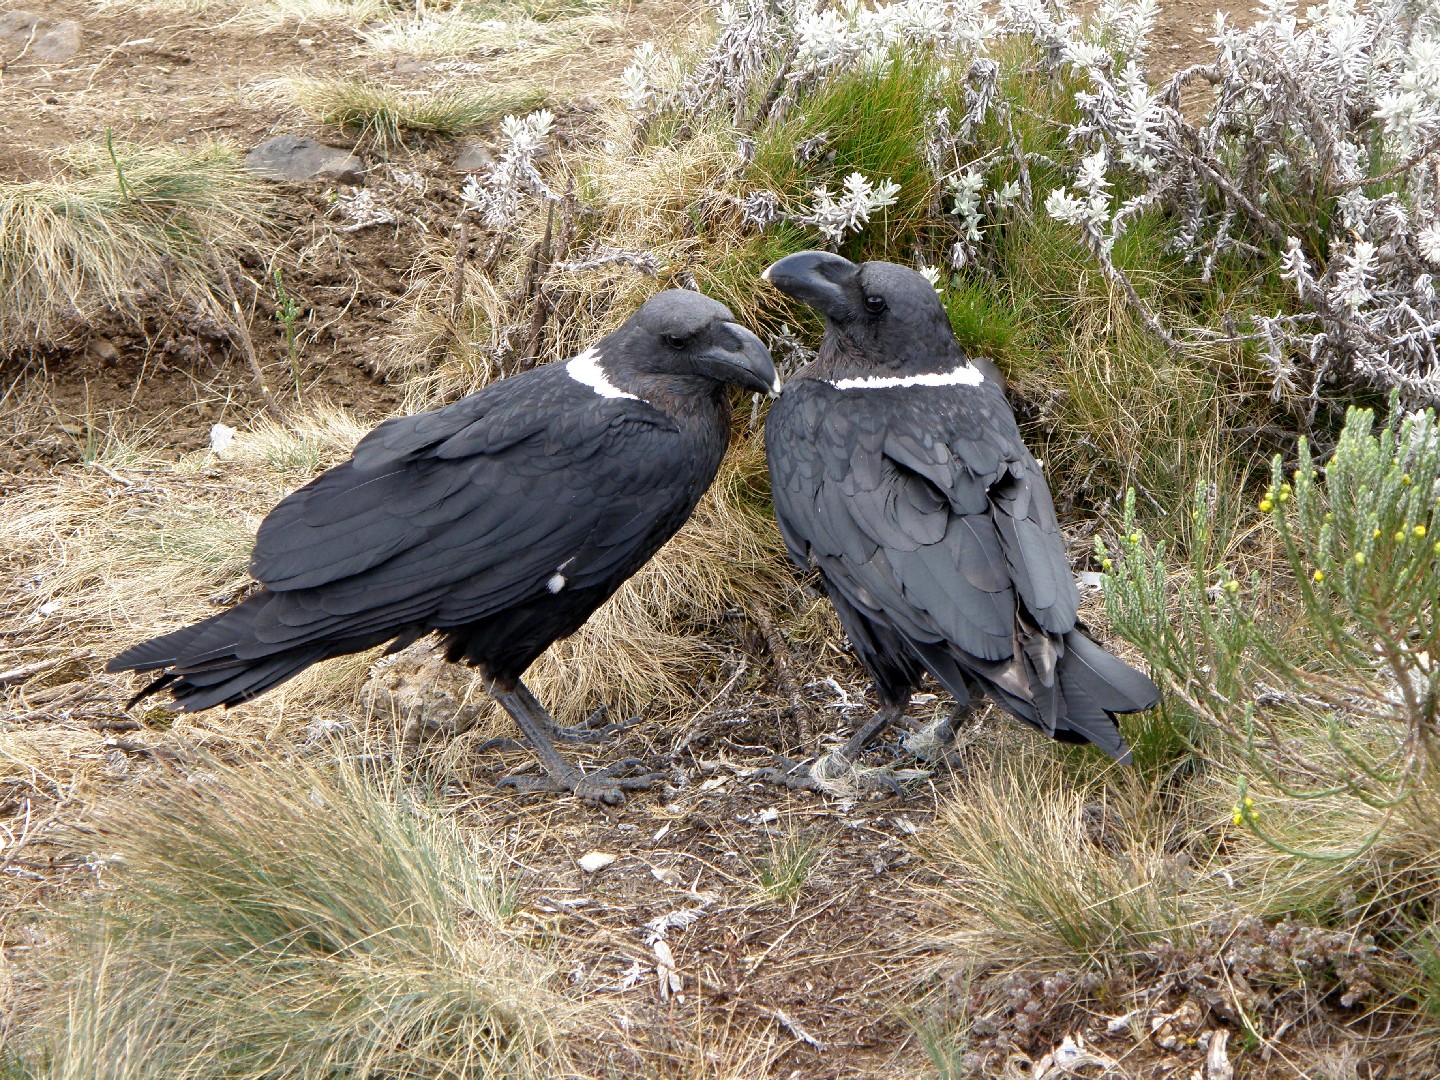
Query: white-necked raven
x=500, y=522
x=899, y=474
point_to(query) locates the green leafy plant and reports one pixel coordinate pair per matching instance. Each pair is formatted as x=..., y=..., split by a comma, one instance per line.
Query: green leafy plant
x=1325, y=674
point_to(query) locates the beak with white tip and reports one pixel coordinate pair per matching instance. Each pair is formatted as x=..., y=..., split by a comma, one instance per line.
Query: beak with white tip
x=740, y=358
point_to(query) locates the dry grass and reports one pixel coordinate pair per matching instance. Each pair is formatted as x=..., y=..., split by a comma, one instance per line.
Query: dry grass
x=1047, y=868
x=385, y=115
x=264, y=13
x=460, y=32
x=126, y=227
x=643, y=205
x=293, y=920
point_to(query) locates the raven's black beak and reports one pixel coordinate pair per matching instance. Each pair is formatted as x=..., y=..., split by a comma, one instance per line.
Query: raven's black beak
x=741, y=358
x=822, y=279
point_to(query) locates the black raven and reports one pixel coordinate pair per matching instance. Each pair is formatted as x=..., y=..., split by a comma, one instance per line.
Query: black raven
x=899, y=474
x=500, y=522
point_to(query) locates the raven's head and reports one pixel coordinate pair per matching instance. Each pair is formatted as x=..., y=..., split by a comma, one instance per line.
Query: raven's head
x=684, y=335
x=879, y=315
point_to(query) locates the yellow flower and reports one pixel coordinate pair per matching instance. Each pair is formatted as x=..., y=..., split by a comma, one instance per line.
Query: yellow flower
x=1359, y=558
x=1238, y=819
x=1319, y=576
x=1265, y=505
x=1232, y=586
x=1399, y=536
x=1419, y=530
x=1377, y=534
x=1105, y=564
x=1405, y=480
x=1134, y=538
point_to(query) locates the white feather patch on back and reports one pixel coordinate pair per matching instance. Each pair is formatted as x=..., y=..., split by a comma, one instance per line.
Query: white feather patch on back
x=586, y=369
x=964, y=375
x=556, y=582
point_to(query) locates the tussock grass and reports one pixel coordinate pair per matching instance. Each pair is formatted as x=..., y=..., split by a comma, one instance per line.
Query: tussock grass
x=1043, y=867
x=123, y=226
x=385, y=115
x=294, y=920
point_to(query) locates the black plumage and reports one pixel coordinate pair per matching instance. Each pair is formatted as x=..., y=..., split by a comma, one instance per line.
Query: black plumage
x=500, y=522
x=899, y=474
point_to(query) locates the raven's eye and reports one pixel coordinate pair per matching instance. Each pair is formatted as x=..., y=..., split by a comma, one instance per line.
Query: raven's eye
x=874, y=304
x=676, y=341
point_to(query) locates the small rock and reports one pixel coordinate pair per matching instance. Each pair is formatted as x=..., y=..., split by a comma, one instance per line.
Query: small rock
x=48, y=39
x=596, y=860
x=473, y=157
x=295, y=157
x=103, y=350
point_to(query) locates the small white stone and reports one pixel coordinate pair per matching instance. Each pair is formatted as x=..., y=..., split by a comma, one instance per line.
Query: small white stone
x=596, y=860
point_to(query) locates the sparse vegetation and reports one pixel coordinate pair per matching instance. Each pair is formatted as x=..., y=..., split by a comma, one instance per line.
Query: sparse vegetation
x=123, y=228
x=1178, y=287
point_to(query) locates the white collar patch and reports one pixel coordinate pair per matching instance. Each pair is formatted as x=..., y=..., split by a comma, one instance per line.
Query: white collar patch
x=586, y=369
x=964, y=375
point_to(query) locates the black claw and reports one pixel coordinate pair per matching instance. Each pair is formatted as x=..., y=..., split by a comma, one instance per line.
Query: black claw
x=500, y=744
x=593, y=730
x=525, y=784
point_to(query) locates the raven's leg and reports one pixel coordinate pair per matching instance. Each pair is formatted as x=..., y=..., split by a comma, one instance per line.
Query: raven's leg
x=811, y=776
x=536, y=726
x=592, y=730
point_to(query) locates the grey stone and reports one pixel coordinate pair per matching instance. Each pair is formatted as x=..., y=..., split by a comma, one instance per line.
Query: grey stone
x=49, y=39
x=473, y=157
x=295, y=157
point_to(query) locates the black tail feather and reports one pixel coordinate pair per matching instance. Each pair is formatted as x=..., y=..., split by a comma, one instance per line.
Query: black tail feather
x=220, y=660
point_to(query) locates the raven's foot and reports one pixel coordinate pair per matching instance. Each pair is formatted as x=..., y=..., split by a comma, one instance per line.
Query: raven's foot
x=607, y=785
x=834, y=774
x=934, y=743
x=593, y=730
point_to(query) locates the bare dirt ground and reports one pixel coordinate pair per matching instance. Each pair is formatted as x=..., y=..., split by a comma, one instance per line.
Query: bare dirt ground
x=804, y=991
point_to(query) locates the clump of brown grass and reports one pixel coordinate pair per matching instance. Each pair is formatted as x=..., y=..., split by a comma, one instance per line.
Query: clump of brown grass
x=297, y=920
x=466, y=30
x=123, y=224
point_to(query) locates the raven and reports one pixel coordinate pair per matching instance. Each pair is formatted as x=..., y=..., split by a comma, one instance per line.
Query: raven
x=899, y=474
x=499, y=522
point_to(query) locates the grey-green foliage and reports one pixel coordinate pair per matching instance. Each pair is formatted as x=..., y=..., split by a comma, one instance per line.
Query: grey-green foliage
x=1325, y=676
